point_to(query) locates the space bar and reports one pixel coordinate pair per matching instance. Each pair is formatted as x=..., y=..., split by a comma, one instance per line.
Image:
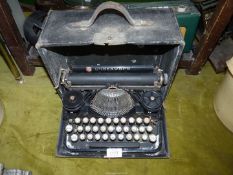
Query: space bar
x=114, y=145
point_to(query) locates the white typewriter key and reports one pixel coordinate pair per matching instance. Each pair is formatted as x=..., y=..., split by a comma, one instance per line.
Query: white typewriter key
x=129, y=137
x=136, y=137
x=146, y=120
x=77, y=120
x=111, y=129
x=126, y=129
x=108, y=120
x=95, y=128
x=116, y=120
x=123, y=120
x=144, y=137
x=120, y=137
x=118, y=129
x=100, y=120
x=89, y=136
x=85, y=120
x=152, y=138
x=103, y=128
x=82, y=136
x=87, y=128
x=97, y=137
x=149, y=128
x=92, y=120
x=113, y=137
x=134, y=129
x=105, y=137
x=131, y=120
x=70, y=120
x=74, y=137
x=142, y=129
x=69, y=128
x=139, y=120
x=80, y=129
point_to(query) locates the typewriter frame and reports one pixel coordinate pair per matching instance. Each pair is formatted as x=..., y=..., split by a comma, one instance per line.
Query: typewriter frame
x=138, y=27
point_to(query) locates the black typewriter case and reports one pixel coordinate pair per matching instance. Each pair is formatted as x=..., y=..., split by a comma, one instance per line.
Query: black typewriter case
x=115, y=50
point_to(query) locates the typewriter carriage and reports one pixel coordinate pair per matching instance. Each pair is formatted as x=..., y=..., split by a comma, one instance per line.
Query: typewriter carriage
x=151, y=58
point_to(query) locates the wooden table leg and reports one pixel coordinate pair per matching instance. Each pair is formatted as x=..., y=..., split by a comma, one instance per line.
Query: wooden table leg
x=13, y=39
x=216, y=26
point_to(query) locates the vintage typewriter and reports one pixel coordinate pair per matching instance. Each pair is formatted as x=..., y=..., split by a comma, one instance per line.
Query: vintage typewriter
x=112, y=68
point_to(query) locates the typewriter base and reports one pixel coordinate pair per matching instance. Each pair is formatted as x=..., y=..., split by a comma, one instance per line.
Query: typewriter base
x=65, y=148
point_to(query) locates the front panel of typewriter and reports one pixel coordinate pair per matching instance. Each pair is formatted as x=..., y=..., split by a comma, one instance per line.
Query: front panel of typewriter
x=112, y=68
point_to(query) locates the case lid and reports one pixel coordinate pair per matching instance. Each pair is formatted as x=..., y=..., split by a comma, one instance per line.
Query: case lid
x=129, y=26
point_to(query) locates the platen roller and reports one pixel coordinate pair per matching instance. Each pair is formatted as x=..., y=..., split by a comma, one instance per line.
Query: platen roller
x=136, y=79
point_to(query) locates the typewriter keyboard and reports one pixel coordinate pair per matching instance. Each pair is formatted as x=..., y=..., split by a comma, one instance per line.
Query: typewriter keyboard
x=97, y=132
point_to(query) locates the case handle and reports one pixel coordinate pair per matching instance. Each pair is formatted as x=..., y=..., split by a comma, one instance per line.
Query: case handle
x=109, y=5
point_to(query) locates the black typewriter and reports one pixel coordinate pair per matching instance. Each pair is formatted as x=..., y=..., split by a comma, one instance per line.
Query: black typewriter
x=112, y=68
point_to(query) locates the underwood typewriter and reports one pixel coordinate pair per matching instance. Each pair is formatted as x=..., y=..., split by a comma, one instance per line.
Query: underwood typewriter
x=112, y=68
